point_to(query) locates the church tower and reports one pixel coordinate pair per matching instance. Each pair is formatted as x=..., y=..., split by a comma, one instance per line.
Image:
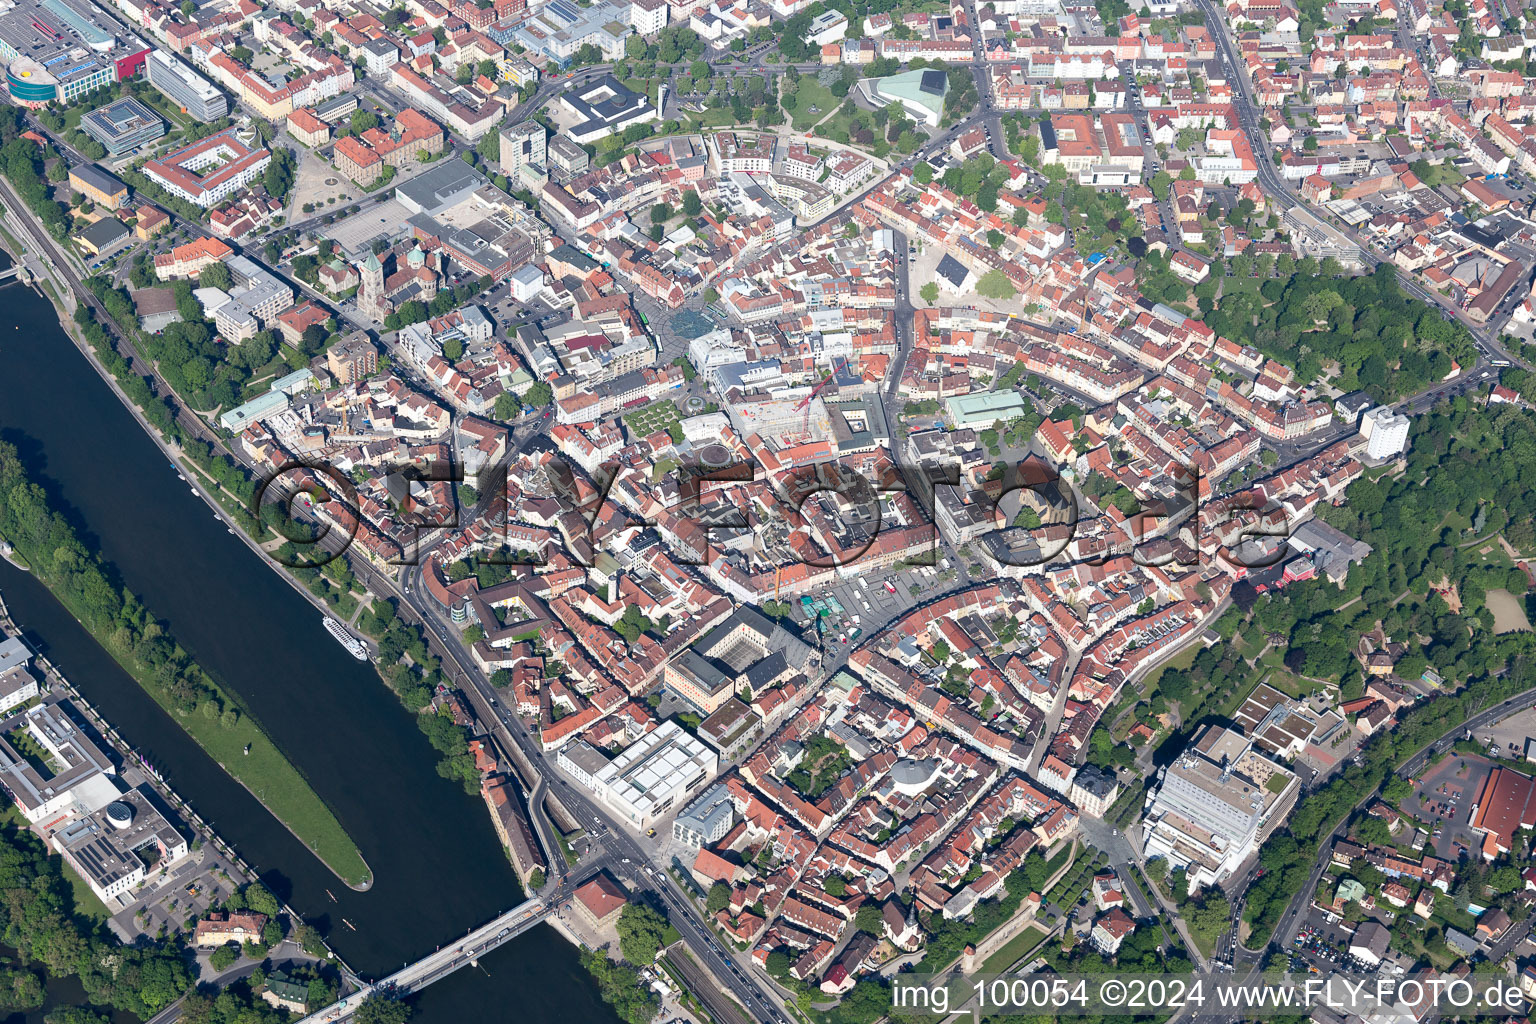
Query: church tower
x=370, y=292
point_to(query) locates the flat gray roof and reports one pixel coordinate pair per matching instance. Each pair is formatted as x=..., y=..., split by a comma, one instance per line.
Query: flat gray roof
x=440, y=187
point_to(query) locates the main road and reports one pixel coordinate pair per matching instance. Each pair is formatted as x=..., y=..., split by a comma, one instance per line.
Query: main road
x=1290, y=921
x=1484, y=338
x=633, y=862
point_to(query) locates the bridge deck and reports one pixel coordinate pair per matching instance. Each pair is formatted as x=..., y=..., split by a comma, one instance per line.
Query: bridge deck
x=442, y=962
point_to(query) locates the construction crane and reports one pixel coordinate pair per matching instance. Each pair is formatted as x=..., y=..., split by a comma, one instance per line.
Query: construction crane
x=805, y=403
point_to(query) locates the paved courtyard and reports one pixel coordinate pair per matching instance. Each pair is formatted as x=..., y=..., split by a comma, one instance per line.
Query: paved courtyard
x=318, y=184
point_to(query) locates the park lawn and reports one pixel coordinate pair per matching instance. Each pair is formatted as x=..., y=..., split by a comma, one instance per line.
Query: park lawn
x=1180, y=661
x=1288, y=684
x=274, y=780
x=836, y=127
x=165, y=108
x=87, y=904
x=712, y=118
x=1013, y=950
x=1237, y=285
x=811, y=93
x=1143, y=691
x=1443, y=174
x=1495, y=555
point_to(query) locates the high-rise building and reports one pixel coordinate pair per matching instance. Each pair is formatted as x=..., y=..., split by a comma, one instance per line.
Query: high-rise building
x=1215, y=806
x=1385, y=432
x=353, y=358
x=185, y=87
x=522, y=145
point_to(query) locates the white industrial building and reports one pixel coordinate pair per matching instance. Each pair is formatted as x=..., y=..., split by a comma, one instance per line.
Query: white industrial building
x=527, y=282
x=73, y=778
x=705, y=821
x=110, y=847
x=648, y=778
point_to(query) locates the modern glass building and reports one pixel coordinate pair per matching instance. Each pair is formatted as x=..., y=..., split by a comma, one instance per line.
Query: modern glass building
x=123, y=125
x=63, y=49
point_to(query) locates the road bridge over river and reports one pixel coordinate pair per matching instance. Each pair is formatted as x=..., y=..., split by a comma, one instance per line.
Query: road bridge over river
x=443, y=962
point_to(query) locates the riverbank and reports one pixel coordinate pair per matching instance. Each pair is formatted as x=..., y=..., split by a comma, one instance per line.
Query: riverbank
x=88, y=902
x=237, y=744
x=437, y=869
x=127, y=631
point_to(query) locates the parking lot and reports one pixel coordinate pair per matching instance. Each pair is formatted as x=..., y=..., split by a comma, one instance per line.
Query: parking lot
x=1442, y=798
x=356, y=234
x=1511, y=734
x=1323, y=948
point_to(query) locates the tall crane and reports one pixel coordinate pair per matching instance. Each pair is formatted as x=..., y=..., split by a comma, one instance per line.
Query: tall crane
x=805, y=403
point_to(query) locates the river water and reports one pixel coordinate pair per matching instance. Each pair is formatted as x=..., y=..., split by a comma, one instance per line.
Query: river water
x=438, y=867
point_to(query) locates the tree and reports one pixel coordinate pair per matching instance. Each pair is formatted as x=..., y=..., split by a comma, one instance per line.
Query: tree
x=363, y=120
x=377, y=1009
x=835, y=886
x=778, y=963
x=223, y=958
x=216, y=275
x=310, y=939
x=632, y=624
x=319, y=992
x=994, y=284
x=922, y=173
x=507, y=406
x=453, y=349
x=621, y=987
x=929, y=292
x=641, y=933
x=259, y=900
x=278, y=177
x=540, y=395
x=188, y=8
x=74, y=1015
x=661, y=213
x=719, y=898
x=867, y=918
x=313, y=339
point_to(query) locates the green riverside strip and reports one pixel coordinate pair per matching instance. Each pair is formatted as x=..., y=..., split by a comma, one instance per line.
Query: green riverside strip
x=83, y=583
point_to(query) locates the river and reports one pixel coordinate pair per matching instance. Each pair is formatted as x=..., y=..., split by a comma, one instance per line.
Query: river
x=438, y=867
